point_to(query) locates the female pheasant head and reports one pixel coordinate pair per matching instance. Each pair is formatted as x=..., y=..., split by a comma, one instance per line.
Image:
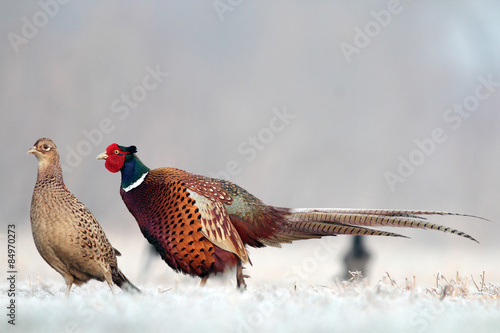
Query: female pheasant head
x=46, y=153
x=120, y=158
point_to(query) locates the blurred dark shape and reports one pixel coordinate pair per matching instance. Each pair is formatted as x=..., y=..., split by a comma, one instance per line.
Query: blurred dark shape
x=149, y=254
x=356, y=259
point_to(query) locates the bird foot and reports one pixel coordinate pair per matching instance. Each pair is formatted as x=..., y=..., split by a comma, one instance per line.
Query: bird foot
x=241, y=285
x=240, y=278
x=203, y=281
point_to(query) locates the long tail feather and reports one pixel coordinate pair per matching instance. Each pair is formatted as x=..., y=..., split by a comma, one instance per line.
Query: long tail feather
x=318, y=221
x=333, y=228
x=385, y=212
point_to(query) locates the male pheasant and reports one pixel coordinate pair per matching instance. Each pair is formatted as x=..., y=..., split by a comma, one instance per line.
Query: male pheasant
x=200, y=225
x=65, y=232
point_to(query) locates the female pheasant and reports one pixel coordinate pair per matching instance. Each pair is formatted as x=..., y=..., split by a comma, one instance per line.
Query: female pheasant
x=200, y=225
x=65, y=232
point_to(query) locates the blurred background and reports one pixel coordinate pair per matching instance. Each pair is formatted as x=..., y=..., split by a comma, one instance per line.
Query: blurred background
x=376, y=104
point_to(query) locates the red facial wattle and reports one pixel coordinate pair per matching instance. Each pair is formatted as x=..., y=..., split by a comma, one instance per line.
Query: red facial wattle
x=116, y=158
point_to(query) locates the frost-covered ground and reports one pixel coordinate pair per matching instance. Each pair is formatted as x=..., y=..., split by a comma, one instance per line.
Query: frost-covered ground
x=458, y=304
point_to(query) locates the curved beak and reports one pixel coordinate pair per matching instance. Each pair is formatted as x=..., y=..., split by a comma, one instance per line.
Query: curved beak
x=31, y=151
x=102, y=156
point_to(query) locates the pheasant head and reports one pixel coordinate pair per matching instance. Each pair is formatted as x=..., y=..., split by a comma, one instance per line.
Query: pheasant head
x=46, y=153
x=120, y=158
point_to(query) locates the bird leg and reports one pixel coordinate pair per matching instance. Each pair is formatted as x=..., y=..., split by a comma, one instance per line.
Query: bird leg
x=68, y=288
x=203, y=281
x=109, y=280
x=69, y=279
x=240, y=277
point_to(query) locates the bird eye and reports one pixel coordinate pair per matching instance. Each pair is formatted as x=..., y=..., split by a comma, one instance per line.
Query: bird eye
x=117, y=151
x=46, y=147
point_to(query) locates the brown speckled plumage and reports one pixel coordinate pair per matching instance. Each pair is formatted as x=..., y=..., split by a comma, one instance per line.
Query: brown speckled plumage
x=65, y=232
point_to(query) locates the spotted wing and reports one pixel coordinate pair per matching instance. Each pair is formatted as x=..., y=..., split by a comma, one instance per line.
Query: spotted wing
x=217, y=227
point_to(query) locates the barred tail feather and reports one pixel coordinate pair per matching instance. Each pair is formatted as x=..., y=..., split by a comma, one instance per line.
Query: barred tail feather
x=333, y=228
x=417, y=214
x=324, y=222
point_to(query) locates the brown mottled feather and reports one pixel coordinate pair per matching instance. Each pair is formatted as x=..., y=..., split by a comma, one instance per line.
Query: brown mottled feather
x=65, y=232
x=217, y=227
